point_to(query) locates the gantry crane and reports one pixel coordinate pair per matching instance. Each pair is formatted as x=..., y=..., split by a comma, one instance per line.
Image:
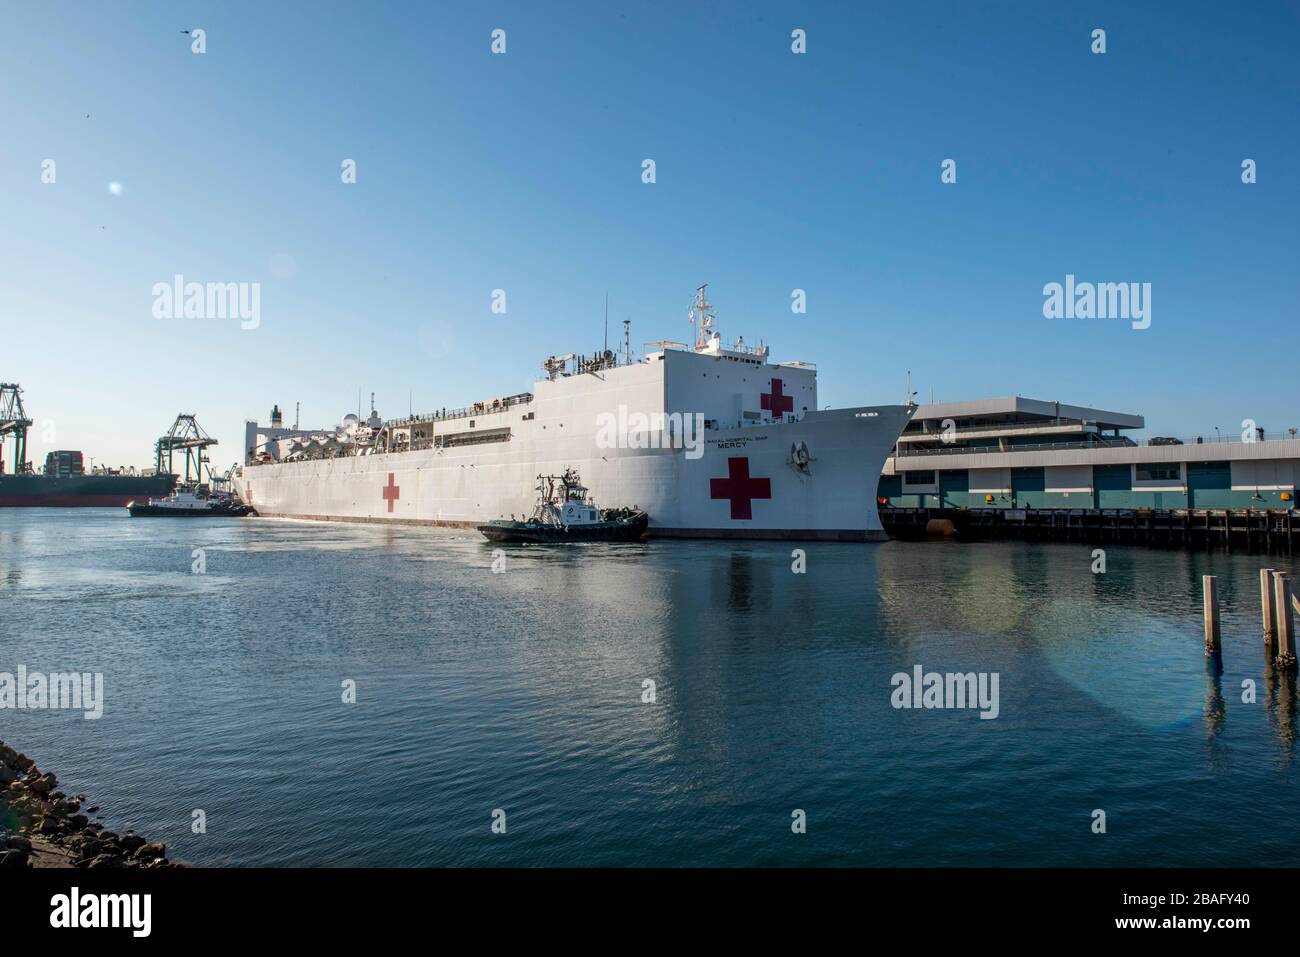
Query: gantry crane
x=188, y=438
x=14, y=422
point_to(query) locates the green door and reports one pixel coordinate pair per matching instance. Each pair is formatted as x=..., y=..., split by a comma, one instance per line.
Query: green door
x=1027, y=488
x=1114, y=485
x=1209, y=485
x=954, y=488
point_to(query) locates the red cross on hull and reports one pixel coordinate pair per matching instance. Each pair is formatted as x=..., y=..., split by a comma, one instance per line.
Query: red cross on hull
x=776, y=401
x=391, y=492
x=740, y=488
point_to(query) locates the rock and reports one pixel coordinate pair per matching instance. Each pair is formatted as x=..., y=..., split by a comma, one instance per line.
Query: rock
x=90, y=847
x=31, y=805
x=23, y=807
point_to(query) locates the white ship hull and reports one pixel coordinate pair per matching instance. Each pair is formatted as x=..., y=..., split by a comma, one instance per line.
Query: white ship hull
x=762, y=494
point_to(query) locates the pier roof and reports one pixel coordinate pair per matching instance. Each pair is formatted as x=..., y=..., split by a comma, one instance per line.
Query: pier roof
x=1019, y=407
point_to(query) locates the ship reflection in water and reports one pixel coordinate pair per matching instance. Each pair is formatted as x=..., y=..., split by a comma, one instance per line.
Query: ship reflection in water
x=528, y=690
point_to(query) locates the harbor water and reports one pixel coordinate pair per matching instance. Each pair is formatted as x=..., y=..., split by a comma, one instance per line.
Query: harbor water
x=228, y=646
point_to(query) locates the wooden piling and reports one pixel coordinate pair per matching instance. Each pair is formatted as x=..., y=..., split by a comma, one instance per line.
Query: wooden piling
x=1210, y=603
x=1285, y=621
x=1266, y=604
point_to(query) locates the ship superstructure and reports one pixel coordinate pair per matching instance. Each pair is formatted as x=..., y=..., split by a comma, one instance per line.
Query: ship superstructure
x=712, y=441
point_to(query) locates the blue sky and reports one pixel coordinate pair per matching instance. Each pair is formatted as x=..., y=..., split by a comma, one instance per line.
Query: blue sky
x=522, y=172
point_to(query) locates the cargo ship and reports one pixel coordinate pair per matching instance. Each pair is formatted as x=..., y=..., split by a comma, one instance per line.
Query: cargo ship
x=64, y=481
x=710, y=441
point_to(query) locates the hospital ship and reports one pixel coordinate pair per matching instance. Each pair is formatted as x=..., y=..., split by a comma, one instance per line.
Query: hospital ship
x=711, y=440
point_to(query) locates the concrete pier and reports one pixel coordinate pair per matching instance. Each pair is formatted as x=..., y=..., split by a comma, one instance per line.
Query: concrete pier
x=1266, y=604
x=1286, y=657
x=1230, y=529
x=1210, y=610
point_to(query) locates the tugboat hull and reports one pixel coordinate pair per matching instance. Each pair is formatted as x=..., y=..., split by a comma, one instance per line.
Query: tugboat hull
x=624, y=530
x=147, y=510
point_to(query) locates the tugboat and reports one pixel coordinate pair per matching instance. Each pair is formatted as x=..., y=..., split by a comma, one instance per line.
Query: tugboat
x=566, y=513
x=191, y=501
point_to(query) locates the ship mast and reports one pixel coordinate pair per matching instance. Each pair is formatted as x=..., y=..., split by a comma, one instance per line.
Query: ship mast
x=702, y=310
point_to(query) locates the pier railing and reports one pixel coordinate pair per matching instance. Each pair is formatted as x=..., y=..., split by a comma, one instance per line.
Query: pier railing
x=1097, y=442
x=1267, y=530
x=972, y=428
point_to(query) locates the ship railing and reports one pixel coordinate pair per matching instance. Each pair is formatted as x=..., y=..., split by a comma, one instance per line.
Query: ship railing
x=486, y=407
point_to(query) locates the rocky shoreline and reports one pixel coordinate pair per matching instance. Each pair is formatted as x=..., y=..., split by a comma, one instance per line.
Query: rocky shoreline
x=40, y=826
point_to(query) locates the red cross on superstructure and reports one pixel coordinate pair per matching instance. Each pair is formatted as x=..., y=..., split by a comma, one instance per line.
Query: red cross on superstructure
x=776, y=401
x=391, y=492
x=740, y=488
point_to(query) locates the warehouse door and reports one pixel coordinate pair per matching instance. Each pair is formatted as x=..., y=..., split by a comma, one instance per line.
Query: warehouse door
x=1209, y=485
x=1027, y=487
x=954, y=488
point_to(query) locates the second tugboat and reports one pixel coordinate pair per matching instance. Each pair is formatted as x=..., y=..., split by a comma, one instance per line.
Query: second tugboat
x=193, y=501
x=566, y=513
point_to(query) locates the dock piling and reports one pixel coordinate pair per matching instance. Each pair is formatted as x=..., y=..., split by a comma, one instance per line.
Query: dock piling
x=1266, y=604
x=1286, y=658
x=1210, y=601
